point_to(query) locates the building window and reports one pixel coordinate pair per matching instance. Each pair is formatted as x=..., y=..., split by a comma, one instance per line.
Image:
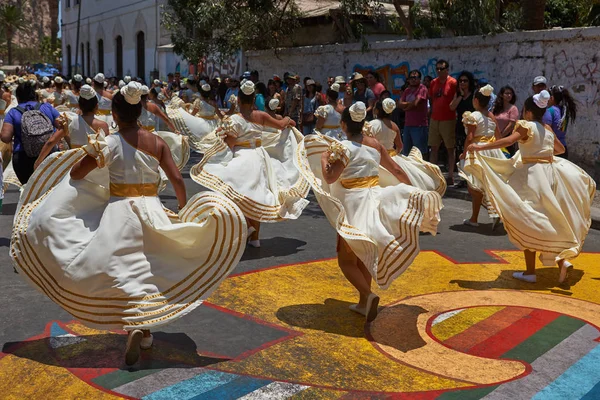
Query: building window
x=69, y=67
x=141, y=55
x=87, y=60
x=101, y=55
x=68, y=2
x=119, y=56
x=82, y=59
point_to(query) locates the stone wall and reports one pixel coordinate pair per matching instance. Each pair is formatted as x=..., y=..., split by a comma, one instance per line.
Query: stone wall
x=569, y=57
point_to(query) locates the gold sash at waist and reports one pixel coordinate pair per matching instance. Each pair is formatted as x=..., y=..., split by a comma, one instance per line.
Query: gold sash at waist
x=76, y=146
x=249, y=144
x=360, y=183
x=392, y=152
x=484, y=139
x=1, y=113
x=133, y=189
x=537, y=160
x=103, y=112
x=331, y=126
x=214, y=116
x=149, y=128
x=73, y=105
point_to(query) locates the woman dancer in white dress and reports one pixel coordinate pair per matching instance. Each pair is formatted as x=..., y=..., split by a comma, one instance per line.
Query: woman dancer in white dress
x=329, y=115
x=543, y=200
x=76, y=128
x=481, y=128
x=99, y=243
x=104, y=112
x=73, y=92
x=424, y=175
x=266, y=190
x=152, y=114
x=378, y=228
x=272, y=108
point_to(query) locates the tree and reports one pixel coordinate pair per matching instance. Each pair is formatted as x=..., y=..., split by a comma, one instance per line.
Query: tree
x=533, y=14
x=11, y=21
x=53, y=6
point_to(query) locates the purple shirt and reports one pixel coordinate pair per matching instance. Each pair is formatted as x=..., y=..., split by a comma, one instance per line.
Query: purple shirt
x=418, y=115
x=552, y=117
x=14, y=118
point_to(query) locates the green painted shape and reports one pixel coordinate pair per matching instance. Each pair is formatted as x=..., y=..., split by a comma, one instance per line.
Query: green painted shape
x=121, y=377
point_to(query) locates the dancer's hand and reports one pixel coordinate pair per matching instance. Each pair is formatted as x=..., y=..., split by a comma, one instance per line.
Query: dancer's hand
x=473, y=148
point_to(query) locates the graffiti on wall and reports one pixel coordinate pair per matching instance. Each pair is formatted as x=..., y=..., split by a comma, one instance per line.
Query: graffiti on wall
x=231, y=66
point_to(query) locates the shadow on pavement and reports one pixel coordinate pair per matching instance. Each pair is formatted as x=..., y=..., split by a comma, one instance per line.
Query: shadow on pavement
x=333, y=316
x=547, y=279
x=9, y=209
x=482, y=229
x=4, y=242
x=170, y=350
x=274, y=247
x=396, y=326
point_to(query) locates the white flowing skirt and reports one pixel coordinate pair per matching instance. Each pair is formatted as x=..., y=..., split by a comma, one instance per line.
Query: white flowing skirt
x=263, y=182
x=121, y=263
x=380, y=224
x=544, y=207
x=422, y=174
x=199, y=130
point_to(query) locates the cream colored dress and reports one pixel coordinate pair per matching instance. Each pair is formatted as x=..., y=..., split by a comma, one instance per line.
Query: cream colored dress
x=72, y=99
x=267, y=189
x=332, y=127
x=422, y=174
x=104, y=112
x=106, y=250
x=381, y=225
x=200, y=129
x=544, y=201
x=484, y=133
x=9, y=177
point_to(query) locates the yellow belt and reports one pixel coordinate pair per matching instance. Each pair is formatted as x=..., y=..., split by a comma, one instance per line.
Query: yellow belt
x=331, y=126
x=133, y=189
x=392, y=152
x=149, y=128
x=72, y=105
x=249, y=144
x=360, y=183
x=484, y=139
x=1, y=112
x=209, y=117
x=536, y=160
x=103, y=112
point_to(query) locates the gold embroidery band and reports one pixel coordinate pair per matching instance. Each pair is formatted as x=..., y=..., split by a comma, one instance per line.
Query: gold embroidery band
x=248, y=144
x=392, y=152
x=484, y=139
x=133, y=190
x=149, y=128
x=536, y=160
x=76, y=146
x=103, y=112
x=360, y=183
x=208, y=117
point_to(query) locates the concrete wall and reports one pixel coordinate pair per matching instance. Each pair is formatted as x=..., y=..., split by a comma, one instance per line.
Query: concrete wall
x=569, y=57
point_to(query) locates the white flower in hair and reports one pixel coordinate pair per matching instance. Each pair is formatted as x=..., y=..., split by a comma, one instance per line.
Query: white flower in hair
x=88, y=81
x=541, y=100
x=45, y=79
x=127, y=79
x=389, y=105
x=335, y=87
x=58, y=80
x=145, y=90
x=77, y=78
x=132, y=92
x=87, y=92
x=273, y=104
x=247, y=88
x=487, y=90
x=121, y=84
x=358, y=111
x=32, y=82
x=99, y=78
x=206, y=87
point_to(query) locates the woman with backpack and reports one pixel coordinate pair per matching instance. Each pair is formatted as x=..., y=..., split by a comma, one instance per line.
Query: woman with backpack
x=28, y=126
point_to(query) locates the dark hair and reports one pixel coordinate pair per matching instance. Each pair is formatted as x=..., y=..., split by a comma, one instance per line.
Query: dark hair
x=125, y=111
x=380, y=111
x=25, y=92
x=254, y=73
x=76, y=85
x=88, y=105
x=318, y=87
x=155, y=92
x=443, y=62
x=385, y=93
x=484, y=101
x=499, y=103
x=332, y=94
x=416, y=71
x=354, y=128
x=261, y=88
x=566, y=102
x=375, y=75
x=170, y=74
x=471, y=79
x=538, y=113
x=428, y=77
x=246, y=98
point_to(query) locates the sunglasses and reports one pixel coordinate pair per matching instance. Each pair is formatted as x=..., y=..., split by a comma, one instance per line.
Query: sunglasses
x=464, y=81
x=439, y=69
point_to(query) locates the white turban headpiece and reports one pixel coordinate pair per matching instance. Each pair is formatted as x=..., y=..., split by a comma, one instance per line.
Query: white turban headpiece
x=358, y=111
x=58, y=80
x=132, y=92
x=77, y=78
x=487, y=90
x=157, y=82
x=273, y=104
x=247, y=88
x=145, y=90
x=206, y=87
x=45, y=79
x=87, y=92
x=121, y=84
x=2, y=76
x=335, y=87
x=541, y=100
x=99, y=78
x=88, y=81
x=127, y=79
x=389, y=105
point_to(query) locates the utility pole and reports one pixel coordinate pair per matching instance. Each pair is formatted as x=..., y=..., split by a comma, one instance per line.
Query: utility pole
x=77, y=40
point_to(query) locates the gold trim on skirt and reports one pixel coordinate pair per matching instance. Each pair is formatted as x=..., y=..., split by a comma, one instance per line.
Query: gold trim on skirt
x=392, y=152
x=133, y=189
x=360, y=183
x=149, y=128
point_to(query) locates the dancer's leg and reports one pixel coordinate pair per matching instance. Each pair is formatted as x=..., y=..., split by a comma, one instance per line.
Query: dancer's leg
x=476, y=204
x=348, y=263
x=530, y=262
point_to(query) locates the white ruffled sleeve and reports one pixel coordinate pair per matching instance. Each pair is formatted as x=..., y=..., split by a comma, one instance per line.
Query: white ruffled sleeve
x=469, y=118
x=321, y=112
x=98, y=148
x=527, y=136
x=338, y=152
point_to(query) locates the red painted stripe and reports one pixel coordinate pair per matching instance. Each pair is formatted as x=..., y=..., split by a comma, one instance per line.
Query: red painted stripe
x=487, y=328
x=508, y=338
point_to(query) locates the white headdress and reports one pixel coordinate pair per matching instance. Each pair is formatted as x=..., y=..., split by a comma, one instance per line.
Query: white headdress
x=132, y=92
x=88, y=81
x=2, y=76
x=358, y=111
x=58, y=80
x=121, y=83
x=206, y=87
x=389, y=105
x=45, y=79
x=247, y=88
x=157, y=82
x=21, y=80
x=487, y=90
x=77, y=78
x=145, y=90
x=87, y=92
x=99, y=78
x=335, y=87
x=541, y=100
x=127, y=79
x=273, y=104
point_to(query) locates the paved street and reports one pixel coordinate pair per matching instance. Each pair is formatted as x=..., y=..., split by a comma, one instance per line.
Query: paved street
x=454, y=326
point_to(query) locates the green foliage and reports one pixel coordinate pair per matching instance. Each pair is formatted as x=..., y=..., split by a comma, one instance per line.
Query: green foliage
x=47, y=53
x=570, y=13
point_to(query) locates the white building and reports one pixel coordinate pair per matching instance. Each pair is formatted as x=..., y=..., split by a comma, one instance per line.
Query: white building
x=118, y=38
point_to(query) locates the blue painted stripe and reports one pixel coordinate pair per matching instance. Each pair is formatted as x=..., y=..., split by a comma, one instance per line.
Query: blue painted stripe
x=575, y=382
x=593, y=394
x=193, y=387
x=56, y=330
x=234, y=389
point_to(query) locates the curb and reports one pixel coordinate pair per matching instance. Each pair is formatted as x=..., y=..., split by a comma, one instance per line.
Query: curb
x=463, y=194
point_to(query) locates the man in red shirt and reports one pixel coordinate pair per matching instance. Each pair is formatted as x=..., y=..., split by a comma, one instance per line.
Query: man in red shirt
x=443, y=119
x=414, y=104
